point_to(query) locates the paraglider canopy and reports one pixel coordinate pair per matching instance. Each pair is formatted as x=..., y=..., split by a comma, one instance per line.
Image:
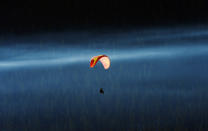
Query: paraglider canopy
x=104, y=59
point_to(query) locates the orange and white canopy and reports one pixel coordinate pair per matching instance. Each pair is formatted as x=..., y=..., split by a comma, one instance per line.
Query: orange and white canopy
x=105, y=60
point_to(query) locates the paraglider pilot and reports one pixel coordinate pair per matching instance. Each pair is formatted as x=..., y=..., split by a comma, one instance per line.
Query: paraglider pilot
x=101, y=91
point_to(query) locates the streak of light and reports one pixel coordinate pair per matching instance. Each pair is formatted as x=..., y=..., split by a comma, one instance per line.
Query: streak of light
x=60, y=57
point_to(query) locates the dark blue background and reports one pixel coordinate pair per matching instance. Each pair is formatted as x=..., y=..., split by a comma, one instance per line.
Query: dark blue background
x=157, y=80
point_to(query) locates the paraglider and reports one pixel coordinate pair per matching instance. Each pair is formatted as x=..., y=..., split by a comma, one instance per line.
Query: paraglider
x=101, y=91
x=104, y=59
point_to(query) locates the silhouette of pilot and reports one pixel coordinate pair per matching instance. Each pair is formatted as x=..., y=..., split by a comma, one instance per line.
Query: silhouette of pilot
x=101, y=91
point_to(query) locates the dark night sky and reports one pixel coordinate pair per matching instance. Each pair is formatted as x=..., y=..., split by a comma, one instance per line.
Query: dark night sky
x=42, y=15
